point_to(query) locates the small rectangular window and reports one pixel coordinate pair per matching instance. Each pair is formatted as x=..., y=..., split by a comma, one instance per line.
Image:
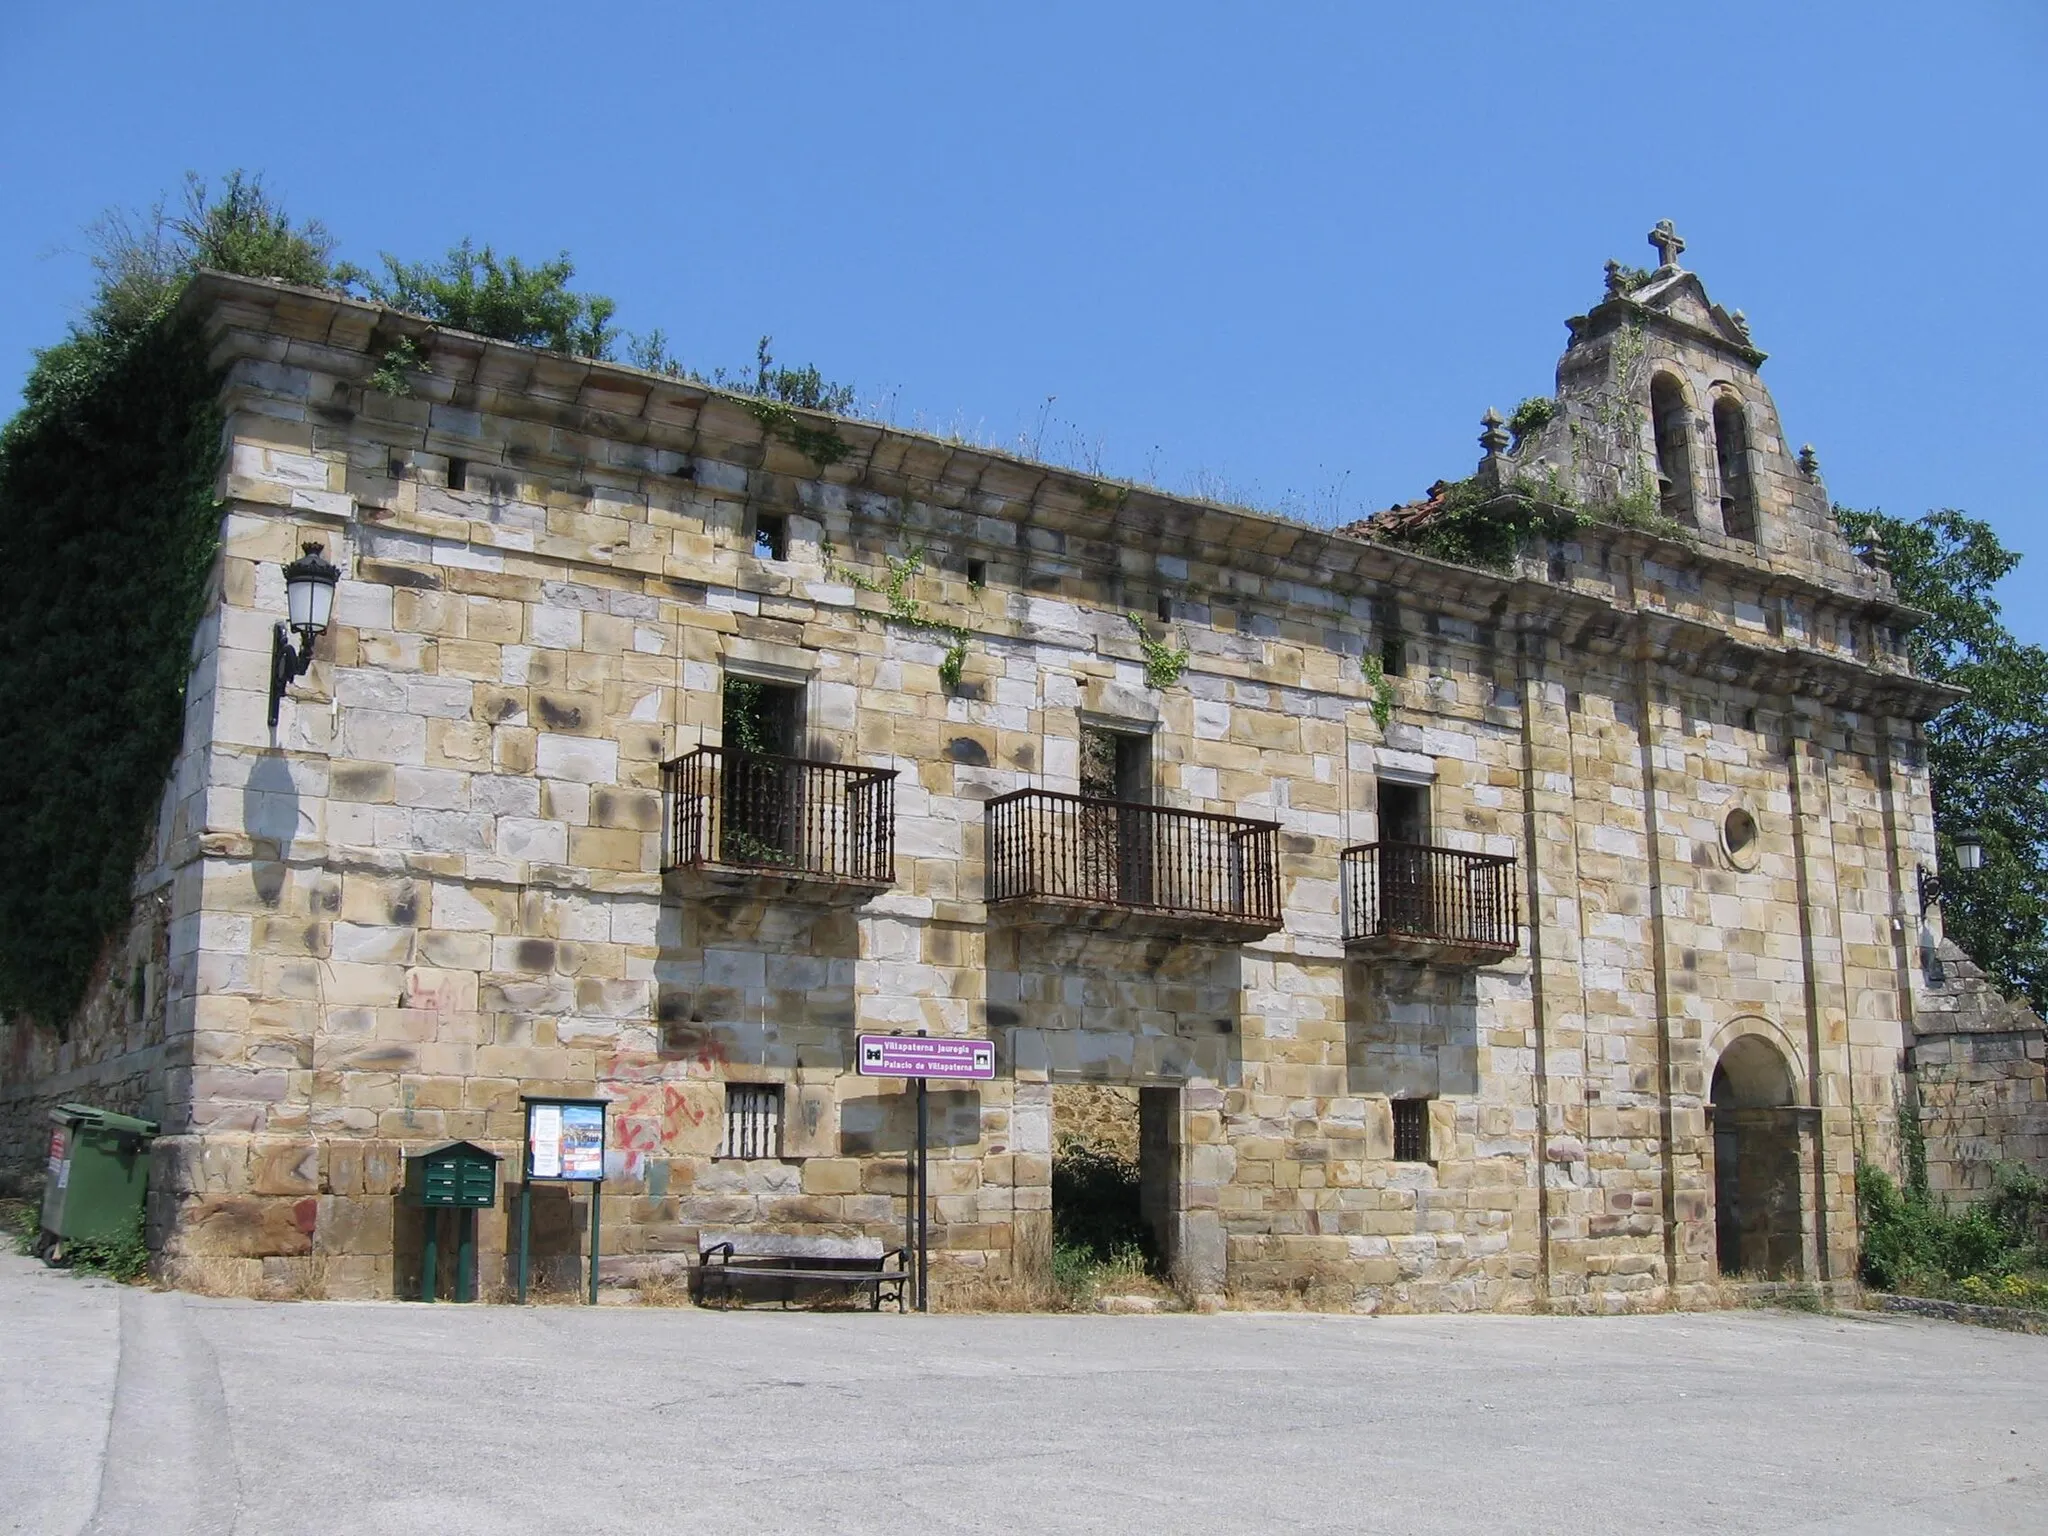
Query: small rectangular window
x=1165, y=609
x=977, y=573
x=753, y=1120
x=771, y=537
x=458, y=474
x=1411, y=1130
x=1394, y=655
x=395, y=465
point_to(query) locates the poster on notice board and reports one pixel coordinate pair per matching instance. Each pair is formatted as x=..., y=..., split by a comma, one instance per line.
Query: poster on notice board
x=565, y=1140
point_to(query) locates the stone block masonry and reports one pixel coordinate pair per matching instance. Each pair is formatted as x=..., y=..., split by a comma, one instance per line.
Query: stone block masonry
x=451, y=875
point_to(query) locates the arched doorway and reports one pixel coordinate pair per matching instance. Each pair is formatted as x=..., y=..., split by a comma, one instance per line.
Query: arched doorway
x=1757, y=1221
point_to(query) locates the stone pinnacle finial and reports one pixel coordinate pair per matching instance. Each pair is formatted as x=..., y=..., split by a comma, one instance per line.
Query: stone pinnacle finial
x=1809, y=461
x=1741, y=323
x=1616, y=284
x=1494, y=439
x=1665, y=238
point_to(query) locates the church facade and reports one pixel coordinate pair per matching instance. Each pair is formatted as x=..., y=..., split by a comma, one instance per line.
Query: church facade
x=1537, y=934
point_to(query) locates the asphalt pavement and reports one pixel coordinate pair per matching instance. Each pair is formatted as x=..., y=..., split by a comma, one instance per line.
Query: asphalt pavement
x=126, y=1411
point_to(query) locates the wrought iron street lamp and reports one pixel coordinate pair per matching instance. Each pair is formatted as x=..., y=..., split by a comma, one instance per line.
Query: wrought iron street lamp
x=309, y=603
x=1969, y=847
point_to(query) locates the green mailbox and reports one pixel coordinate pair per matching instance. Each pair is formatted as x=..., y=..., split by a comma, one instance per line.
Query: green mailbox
x=98, y=1172
x=462, y=1177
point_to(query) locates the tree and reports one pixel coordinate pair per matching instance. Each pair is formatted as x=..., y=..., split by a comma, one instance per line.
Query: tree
x=1987, y=755
x=471, y=289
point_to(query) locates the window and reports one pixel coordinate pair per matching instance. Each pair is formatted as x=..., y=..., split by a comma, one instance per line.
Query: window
x=760, y=799
x=1165, y=609
x=753, y=1120
x=1738, y=838
x=977, y=574
x=761, y=719
x=1731, y=456
x=1116, y=851
x=1393, y=654
x=458, y=474
x=395, y=466
x=1404, y=813
x=1411, y=1130
x=771, y=537
x=1669, y=415
x=1115, y=765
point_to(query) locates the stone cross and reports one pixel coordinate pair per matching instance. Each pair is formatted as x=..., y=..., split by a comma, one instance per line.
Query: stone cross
x=1665, y=238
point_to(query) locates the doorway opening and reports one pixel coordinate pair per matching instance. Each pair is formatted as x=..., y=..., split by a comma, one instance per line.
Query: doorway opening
x=1758, y=1226
x=759, y=782
x=1116, y=837
x=1406, y=898
x=1116, y=1186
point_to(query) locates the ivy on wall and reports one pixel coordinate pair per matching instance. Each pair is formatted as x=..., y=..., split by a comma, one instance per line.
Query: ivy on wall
x=108, y=530
x=906, y=610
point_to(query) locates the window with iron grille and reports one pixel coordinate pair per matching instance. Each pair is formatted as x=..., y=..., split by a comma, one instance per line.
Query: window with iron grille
x=1411, y=1130
x=753, y=1120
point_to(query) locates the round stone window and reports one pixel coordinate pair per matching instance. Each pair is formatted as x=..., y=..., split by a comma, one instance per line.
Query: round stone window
x=1739, y=839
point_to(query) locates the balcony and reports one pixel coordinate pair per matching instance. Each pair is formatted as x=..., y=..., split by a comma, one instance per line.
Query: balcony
x=778, y=827
x=1078, y=861
x=1404, y=901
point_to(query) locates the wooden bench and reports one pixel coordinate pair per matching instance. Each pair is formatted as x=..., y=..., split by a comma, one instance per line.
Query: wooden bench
x=725, y=1259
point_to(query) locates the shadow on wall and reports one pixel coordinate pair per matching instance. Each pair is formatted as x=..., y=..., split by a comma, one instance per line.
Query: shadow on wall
x=1410, y=1031
x=758, y=984
x=270, y=816
x=887, y=1122
x=1094, y=1007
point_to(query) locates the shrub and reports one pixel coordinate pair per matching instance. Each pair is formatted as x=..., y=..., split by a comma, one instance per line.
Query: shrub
x=1095, y=1209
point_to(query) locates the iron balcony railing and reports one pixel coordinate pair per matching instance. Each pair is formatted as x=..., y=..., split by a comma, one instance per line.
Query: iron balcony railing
x=782, y=815
x=1409, y=891
x=1119, y=853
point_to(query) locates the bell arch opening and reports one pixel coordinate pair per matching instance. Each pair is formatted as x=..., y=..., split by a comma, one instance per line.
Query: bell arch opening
x=1759, y=1221
x=1731, y=454
x=1670, y=418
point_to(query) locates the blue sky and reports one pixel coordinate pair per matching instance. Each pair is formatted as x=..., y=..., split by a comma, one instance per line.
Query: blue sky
x=1288, y=252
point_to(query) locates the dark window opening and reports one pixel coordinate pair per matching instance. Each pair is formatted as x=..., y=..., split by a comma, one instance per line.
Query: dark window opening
x=753, y=1120
x=1394, y=655
x=1165, y=609
x=1669, y=417
x=1115, y=765
x=458, y=474
x=771, y=537
x=977, y=573
x=759, y=801
x=1411, y=1130
x=1408, y=891
x=395, y=466
x=1404, y=813
x=1731, y=454
x=1116, y=851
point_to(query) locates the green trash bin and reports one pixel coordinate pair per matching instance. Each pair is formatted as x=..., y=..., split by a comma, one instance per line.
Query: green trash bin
x=99, y=1170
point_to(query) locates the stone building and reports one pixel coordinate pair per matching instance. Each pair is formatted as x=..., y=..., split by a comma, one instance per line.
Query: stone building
x=1522, y=938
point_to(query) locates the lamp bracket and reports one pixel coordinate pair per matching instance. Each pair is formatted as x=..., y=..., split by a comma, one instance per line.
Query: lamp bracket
x=287, y=662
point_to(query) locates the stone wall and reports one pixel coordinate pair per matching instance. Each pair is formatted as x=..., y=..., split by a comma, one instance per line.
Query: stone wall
x=1980, y=1076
